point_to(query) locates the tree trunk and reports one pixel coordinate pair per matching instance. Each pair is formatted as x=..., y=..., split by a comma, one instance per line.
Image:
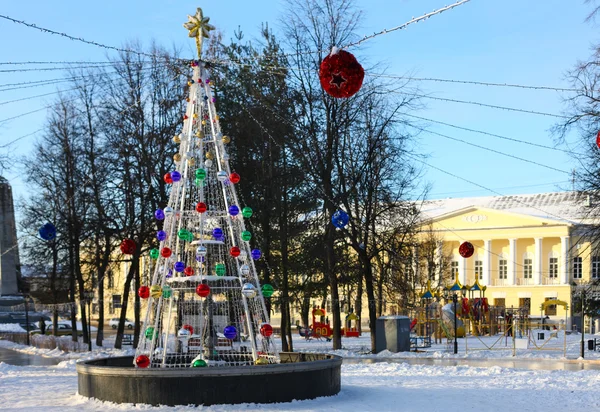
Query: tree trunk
x=367, y=267
x=124, y=303
x=358, y=302
x=333, y=285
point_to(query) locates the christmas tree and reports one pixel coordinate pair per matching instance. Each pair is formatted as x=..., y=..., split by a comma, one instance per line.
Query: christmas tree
x=205, y=303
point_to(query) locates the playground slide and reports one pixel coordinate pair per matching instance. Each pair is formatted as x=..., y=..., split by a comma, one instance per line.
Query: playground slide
x=448, y=320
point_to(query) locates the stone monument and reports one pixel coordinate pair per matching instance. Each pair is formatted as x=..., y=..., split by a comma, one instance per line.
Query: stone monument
x=9, y=250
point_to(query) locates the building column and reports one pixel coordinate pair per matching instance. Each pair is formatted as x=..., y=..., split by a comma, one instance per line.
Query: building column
x=487, y=263
x=564, y=262
x=438, y=259
x=462, y=270
x=537, y=262
x=512, y=262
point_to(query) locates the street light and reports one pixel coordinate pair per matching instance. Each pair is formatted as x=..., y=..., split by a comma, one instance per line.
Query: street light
x=89, y=296
x=454, y=300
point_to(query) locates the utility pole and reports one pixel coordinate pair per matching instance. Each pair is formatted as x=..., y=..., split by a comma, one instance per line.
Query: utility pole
x=454, y=299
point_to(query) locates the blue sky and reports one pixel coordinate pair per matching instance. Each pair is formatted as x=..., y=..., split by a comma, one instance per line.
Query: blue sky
x=533, y=42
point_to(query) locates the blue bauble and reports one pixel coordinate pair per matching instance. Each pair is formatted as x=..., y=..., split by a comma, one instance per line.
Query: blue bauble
x=256, y=254
x=234, y=210
x=176, y=176
x=161, y=235
x=217, y=232
x=340, y=219
x=179, y=266
x=48, y=231
x=159, y=214
x=230, y=332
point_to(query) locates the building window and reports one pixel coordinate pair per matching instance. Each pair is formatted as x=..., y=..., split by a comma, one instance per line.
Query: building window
x=595, y=267
x=528, y=268
x=111, y=280
x=454, y=269
x=502, y=269
x=525, y=303
x=499, y=302
x=479, y=269
x=550, y=309
x=553, y=267
x=577, y=267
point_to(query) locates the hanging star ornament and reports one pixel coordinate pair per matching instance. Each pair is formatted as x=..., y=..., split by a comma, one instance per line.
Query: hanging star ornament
x=199, y=28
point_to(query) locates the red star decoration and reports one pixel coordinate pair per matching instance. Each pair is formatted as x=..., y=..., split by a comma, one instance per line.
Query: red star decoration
x=337, y=80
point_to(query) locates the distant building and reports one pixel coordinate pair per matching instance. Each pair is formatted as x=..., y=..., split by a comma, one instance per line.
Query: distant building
x=9, y=250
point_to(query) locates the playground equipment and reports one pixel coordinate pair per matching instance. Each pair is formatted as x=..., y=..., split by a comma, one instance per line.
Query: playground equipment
x=350, y=331
x=319, y=328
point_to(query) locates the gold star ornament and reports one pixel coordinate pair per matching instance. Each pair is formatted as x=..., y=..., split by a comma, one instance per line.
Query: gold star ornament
x=199, y=28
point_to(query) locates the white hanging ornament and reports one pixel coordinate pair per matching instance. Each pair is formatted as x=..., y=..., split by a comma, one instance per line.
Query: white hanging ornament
x=168, y=211
x=245, y=269
x=243, y=256
x=208, y=163
x=248, y=290
x=222, y=176
x=201, y=251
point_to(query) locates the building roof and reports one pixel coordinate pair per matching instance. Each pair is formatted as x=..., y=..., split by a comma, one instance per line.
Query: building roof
x=569, y=207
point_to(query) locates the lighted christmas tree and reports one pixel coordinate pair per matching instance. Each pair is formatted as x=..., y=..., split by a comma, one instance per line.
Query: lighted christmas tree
x=205, y=304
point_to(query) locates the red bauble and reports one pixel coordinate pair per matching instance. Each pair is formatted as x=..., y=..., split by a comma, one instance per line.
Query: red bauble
x=185, y=117
x=188, y=271
x=165, y=252
x=142, y=361
x=203, y=290
x=234, y=251
x=341, y=75
x=190, y=328
x=144, y=292
x=167, y=178
x=200, y=207
x=234, y=178
x=266, y=330
x=128, y=246
x=466, y=249
x=598, y=139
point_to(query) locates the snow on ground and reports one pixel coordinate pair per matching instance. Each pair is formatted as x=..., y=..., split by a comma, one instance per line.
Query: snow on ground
x=365, y=387
x=11, y=328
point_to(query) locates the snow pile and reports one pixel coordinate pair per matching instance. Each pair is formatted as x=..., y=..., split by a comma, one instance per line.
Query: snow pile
x=11, y=328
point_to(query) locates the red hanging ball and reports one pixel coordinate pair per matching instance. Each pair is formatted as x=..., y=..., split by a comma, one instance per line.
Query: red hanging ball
x=266, y=330
x=165, y=252
x=203, y=290
x=466, y=249
x=167, y=178
x=340, y=74
x=234, y=178
x=144, y=292
x=188, y=271
x=598, y=139
x=128, y=246
x=142, y=361
x=200, y=207
x=185, y=117
x=234, y=251
x=189, y=328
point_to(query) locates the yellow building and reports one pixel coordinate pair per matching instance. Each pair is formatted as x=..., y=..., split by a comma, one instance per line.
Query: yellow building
x=528, y=248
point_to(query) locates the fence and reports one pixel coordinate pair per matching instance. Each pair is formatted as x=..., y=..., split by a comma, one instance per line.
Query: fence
x=63, y=343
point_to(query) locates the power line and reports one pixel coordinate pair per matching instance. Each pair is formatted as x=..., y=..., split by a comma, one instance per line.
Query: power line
x=54, y=62
x=488, y=149
x=512, y=109
x=19, y=138
x=492, y=134
x=46, y=69
x=502, y=188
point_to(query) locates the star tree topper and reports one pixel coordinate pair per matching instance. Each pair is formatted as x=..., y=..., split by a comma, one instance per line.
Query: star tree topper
x=199, y=28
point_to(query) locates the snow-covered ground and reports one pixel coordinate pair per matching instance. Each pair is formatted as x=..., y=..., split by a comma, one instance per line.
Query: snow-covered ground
x=383, y=386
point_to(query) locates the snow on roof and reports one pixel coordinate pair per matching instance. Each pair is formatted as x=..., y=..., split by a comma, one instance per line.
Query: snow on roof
x=571, y=207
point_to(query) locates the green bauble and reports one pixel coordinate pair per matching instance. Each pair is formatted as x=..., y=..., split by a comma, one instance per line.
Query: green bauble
x=247, y=212
x=154, y=253
x=199, y=363
x=149, y=332
x=200, y=174
x=182, y=234
x=246, y=236
x=167, y=292
x=267, y=290
x=199, y=182
x=190, y=236
x=220, y=269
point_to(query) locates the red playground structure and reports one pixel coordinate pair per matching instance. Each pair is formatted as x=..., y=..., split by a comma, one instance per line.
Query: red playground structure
x=349, y=330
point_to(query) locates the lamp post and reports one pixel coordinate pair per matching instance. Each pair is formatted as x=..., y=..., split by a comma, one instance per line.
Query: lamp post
x=89, y=296
x=454, y=300
x=26, y=296
x=582, y=322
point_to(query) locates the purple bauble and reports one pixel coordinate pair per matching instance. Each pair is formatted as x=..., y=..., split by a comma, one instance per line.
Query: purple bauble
x=159, y=214
x=176, y=176
x=256, y=254
x=170, y=273
x=200, y=259
x=230, y=332
x=179, y=266
x=161, y=235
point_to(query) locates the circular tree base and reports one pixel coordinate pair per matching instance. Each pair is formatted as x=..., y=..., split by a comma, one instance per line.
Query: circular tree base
x=299, y=376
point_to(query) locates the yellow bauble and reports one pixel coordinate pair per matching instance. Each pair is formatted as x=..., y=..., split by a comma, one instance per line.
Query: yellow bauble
x=217, y=117
x=155, y=291
x=195, y=116
x=177, y=157
x=211, y=83
x=209, y=155
x=200, y=134
x=191, y=161
x=261, y=361
x=226, y=139
x=177, y=139
x=203, y=122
